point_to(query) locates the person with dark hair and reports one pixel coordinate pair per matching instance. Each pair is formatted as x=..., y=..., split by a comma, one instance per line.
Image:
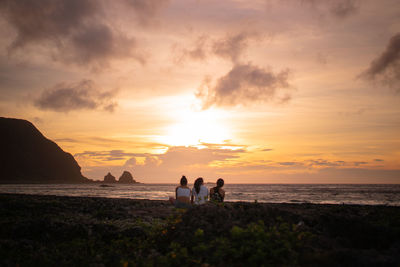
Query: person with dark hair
x=217, y=194
x=182, y=194
x=199, y=192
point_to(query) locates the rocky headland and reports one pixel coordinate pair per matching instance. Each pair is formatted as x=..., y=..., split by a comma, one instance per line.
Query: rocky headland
x=29, y=157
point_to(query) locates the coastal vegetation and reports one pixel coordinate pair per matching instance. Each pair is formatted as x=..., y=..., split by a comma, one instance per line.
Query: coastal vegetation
x=50, y=230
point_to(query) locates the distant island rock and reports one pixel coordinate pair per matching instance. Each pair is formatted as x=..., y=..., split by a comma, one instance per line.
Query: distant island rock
x=29, y=157
x=109, y=178
x=126, y=178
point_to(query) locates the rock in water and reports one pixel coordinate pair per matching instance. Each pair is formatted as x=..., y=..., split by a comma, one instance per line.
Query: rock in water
x=109, y=178
x=126, y=178
x=29, y=157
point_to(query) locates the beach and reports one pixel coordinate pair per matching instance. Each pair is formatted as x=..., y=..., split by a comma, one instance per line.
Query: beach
x=38, y=230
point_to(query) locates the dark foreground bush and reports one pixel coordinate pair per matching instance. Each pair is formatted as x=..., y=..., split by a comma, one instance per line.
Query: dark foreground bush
x=254, y=245
x=67, y=231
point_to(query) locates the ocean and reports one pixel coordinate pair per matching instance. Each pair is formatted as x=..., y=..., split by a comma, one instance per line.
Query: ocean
x=370, y=194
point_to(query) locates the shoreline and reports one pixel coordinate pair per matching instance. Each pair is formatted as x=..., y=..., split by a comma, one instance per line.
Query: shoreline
x=256, y=202
x=75, y=230
x=320, y=194
x=290, y=202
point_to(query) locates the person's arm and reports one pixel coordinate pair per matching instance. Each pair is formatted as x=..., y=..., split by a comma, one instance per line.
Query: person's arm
x=222, y=192
x=211, y=192
x=191, y=196
x=176, y=192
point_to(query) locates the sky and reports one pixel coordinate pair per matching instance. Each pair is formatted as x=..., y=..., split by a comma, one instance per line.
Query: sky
x=263, y=91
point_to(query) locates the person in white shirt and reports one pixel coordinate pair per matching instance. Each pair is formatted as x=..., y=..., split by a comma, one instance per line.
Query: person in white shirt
x=182, y=195
x=199, y=192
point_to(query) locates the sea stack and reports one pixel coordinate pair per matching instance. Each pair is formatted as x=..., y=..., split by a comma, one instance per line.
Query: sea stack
x=126, y=178
x=29, y=157
x=109, y=178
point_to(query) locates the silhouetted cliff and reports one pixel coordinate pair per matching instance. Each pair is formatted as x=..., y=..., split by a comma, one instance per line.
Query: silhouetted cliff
x=29, y=157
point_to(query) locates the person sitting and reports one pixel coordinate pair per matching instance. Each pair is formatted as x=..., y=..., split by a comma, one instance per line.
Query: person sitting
x=199, y=192
x=182, y=195
x=217, y=194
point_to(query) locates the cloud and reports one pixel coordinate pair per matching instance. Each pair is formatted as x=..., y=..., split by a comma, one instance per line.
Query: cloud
x=267, y=149
x=389, y=58
x=75, y=29
x=198, y=50
x=327, y=163
x=339, y=9
x=98, y=43
x=225, y=145
x=107, y=156
x=289, y=163
x=43, y=20
x=178, y=156
x=344, y=8
x=173, y=157
x=212, y=163
x=146, y=10
x=243, y=84
x=174, y=162
x=232, y=46
x=386, y=67
x=303, y=165
x=65, y=97
x=358, y=163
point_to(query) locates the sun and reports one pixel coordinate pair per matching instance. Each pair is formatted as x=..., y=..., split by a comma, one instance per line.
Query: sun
x=195, y=127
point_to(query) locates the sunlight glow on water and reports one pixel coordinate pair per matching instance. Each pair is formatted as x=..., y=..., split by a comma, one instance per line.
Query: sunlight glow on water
x=271, y=193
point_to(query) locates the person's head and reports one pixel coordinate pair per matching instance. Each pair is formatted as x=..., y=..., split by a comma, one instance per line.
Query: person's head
x=183, y=180
x=220, y=182
x=199, y=181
